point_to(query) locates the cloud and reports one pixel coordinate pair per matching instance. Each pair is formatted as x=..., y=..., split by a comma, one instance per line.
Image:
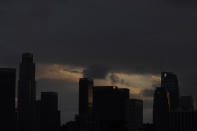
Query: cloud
x=140, y=81
x=59, y=72
x=135, y=82
x=95, y=71
x=127, y=35
x=114, y=78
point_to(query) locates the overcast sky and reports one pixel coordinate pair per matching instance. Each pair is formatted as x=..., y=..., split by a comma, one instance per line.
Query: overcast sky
x=118, y=42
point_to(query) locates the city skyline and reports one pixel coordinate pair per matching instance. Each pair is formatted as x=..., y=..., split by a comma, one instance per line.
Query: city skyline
x=100, y=108
x=154, y=80
x=124, y=43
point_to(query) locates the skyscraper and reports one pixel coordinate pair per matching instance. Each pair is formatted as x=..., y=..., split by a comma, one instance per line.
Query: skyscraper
x=27, y=94
x=49, y=115
x=160, y=109
x=135, y=114
x=85, y=95
x=85, y=103
x=7, y=99
x=169, y=82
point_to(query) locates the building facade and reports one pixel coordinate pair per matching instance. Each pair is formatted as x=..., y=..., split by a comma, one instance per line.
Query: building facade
x=50, y=115
x=160, y=109
x=109, y=107
x=186, y=103
x=169, y=82
x=135, y=114
x=182, y=121
x=85, y=103
x=27, y=94
x=7, y=94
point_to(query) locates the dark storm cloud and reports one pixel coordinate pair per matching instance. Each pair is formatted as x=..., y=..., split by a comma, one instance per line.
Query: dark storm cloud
x=116, y=79
x=129, y=35
x=126, y=36
x=96, y=71
x=186, y=3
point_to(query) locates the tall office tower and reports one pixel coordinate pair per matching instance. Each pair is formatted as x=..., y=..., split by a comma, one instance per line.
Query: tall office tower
x=169, y=81
x=135, y=114
x=49, y=115
x=186, y=103
x=7, y=99
x=109, y=107
x=27, y=94
x=160, y=109
x=85, y=103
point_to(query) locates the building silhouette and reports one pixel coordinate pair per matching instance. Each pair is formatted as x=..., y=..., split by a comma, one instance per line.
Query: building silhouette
x=7, y=98
x=27, y=94
x=195, y=120
x=104, y=108
x=186, y=103
x=49, y=113
x=38, y=115
x=109, y=107
x=160, y=109
x=25, y=113
x=182, y=121
x=185, y=117
x=85, y=103
x=169, y=82
x=135, y=114
x=172, y=112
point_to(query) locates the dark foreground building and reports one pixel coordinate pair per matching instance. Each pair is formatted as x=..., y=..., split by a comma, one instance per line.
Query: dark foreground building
x=186, y=104
x=182, y=121
x=109, y=107
x=85, y=104
x=7, y=98
x=135, y=114
x=106, y=108
x=160, y=109
x=185, y=118
x=49, y=113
